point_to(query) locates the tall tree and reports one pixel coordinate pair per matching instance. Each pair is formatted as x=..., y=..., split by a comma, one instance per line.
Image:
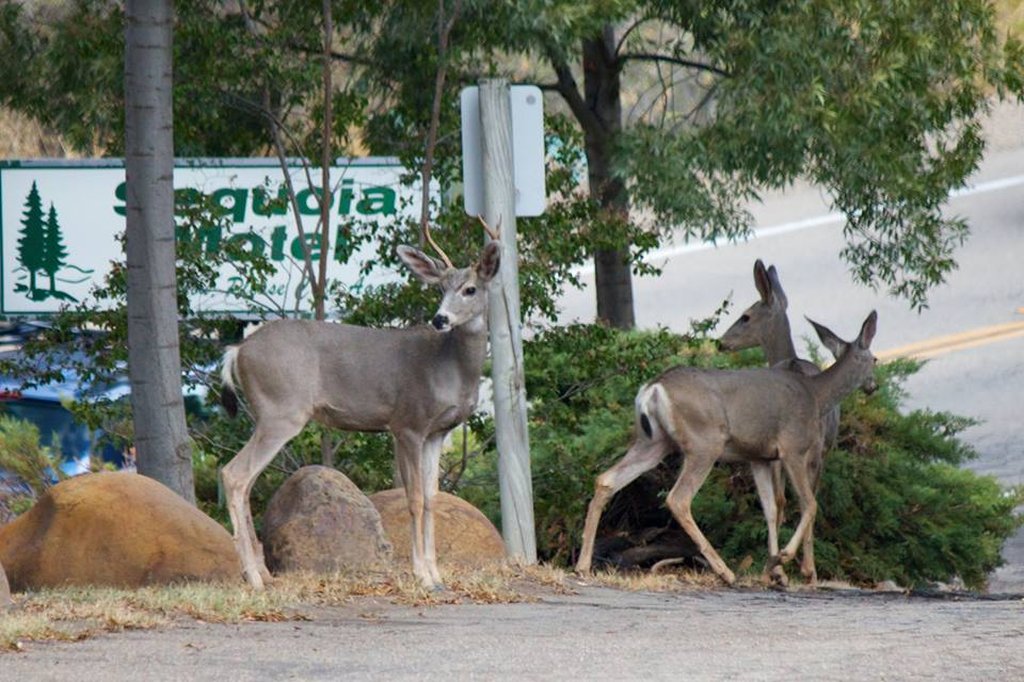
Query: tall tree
x=31, y=242
x=54, y=251
x=154, y=363
x=877, y=103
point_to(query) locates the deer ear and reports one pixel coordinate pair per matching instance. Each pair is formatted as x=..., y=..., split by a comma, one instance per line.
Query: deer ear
x=490, y=260
x=834, y=344
x=762, y=281
x=867, y=330
x=773, y=277
x=427, y=269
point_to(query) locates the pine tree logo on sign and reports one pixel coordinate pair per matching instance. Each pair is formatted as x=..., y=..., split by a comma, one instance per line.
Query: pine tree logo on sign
x=42, y=254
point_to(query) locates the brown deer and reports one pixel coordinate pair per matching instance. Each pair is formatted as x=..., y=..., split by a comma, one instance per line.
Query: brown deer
x=751, y=415
x=418, y=383
x=766, y=324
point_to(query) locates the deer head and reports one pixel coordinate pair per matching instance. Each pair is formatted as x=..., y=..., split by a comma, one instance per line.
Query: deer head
x=465, y=289
x=856, y=352
x=764, y=318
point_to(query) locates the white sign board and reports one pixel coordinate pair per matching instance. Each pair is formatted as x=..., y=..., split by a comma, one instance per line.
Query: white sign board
x=527, y=106
x=60, y=224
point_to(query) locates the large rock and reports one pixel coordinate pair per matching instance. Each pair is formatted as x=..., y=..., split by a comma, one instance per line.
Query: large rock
x=5, y=590
x=320, y=521
x=462, y=534
x=118, y=529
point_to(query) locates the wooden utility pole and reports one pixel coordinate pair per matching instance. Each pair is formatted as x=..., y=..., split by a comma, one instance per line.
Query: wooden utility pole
x=505, y=323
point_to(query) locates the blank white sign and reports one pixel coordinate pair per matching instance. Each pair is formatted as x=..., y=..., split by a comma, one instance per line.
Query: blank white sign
x=527, y=106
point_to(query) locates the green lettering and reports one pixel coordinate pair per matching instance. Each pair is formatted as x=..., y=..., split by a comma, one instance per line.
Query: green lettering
x=277, y=240
x=121, y=192
x=342, y=244
x=306, y=206
x=345, y=200
x=256, y=244
x=264, y=206
x=207, y=237
x=186, y=198
x=314, y=247
x=232, y=201
x=377, y=201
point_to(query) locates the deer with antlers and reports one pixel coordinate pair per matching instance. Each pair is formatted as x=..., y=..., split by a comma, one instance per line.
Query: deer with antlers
x=418, y=383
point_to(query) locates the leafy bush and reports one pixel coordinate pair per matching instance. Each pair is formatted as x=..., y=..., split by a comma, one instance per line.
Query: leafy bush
x=34, y=467
x=893, y=502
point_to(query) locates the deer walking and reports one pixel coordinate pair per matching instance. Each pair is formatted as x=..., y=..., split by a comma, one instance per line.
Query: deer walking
x=752, y=415
x=418, y=383
x=766, y=324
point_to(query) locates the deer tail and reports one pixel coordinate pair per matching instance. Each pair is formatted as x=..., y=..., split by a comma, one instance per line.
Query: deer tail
x=651, y=403
x=228, y=395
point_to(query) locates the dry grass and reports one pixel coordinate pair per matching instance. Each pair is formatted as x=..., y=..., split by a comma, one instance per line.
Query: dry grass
x=74, y=613
x=1010, y=16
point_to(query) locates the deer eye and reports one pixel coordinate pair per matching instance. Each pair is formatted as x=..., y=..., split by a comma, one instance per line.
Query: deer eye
x=469, y=291
x=745, y=318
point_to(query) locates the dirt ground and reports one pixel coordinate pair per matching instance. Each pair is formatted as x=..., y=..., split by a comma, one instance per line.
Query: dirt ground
x=593, y=633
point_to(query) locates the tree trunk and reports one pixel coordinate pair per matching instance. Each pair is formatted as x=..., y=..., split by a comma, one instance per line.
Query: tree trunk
x=154, y=361
x=601, y=86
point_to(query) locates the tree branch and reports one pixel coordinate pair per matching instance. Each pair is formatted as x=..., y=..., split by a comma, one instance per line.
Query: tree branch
x=678, y=61
x=570, y=92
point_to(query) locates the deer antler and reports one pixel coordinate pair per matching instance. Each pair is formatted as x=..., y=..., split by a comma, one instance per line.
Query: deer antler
x=433, y=244
x=493, y=233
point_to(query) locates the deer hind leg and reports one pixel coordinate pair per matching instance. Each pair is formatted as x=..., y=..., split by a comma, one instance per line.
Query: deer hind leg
x=430, y=483
x=797, y=470
x=409, y=456
x=641, y=457
x=238, y=476
x=697, y=464
x=767, y=492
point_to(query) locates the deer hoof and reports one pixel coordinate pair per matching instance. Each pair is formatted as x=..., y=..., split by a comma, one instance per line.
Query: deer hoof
x=254, y=579
x=728, y=577
x=777, y=577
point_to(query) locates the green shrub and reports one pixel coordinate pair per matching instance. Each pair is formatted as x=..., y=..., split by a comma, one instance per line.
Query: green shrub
x=893, y=502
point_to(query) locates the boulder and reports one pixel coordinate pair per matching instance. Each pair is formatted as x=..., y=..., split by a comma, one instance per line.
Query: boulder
x=116, y=529
x=319, y=521
x=462, y=534
x=5, y=590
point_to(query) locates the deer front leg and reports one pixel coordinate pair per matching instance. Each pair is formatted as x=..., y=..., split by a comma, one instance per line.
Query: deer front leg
x=408, y=455
x=642, y=456
x=237, y=477
x=797, y=470
x=697, y=464
x=808, y=570
x=430, y=482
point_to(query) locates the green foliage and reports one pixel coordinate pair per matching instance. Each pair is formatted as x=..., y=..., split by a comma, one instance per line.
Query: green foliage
x=893, y=502
x=22, y=455
x=878, y=103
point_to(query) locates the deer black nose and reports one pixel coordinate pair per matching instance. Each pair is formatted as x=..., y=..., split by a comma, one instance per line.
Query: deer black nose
x=440, y=322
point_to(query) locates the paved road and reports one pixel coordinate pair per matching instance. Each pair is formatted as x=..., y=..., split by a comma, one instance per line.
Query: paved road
x=597, y=634
x=798, y=235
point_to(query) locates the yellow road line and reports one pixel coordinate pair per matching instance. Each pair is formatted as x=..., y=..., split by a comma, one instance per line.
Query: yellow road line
x=940, y=345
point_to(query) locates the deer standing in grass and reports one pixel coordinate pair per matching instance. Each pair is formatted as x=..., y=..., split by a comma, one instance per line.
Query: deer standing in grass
x=751, y=415
x=417, y=383
x=766, y=324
